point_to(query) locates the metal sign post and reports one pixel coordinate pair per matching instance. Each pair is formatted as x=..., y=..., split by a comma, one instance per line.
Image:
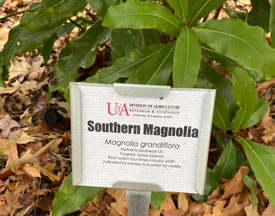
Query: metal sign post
x=138, y=202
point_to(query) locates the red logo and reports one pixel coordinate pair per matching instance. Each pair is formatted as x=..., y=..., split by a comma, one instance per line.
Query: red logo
x=118, y=109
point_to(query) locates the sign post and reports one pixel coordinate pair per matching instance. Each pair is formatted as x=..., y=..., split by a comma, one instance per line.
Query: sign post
x=140, y=138
x=138, y=202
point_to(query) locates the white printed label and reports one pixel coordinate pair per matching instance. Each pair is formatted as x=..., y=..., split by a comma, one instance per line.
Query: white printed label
x=140, y=139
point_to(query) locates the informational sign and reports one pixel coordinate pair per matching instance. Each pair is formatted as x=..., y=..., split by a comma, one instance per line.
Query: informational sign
x=132, y=133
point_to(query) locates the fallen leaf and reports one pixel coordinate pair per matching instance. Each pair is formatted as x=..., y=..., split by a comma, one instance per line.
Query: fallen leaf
x=19, y=67
x=36, y=70
x=251, y=210
x=28, y=157
x=4, y=36
x=235, y=185
x=9, y=148
x=269, y=130
x=6, y=124
x=174, y=212
x=32, y=170
x=168, y=203
x=183, y=202
x=25, y=138
x=8, y=90
x=47, y=173
x=269, y=211
x=214, y=196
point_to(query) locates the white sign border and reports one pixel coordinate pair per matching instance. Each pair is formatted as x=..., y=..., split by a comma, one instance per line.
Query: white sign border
x=146, y=91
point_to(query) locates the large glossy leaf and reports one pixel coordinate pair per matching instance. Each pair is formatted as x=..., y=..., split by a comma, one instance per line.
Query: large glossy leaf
x=2, y=63
x=31, y=40
x=246, y=97
x=51, y=14
x=75, y=54
x=210, y=184
x=187, y=59
x=262, y=162
x=234, y=13
x=2, y=2
x=243, y=43
x=71, y=198
x=135, y=39
x=252, y=185
x=121, y=48
x=180, y=7
x=223, y=85
x=272, y=25
x=200, y=8
x=226, y=165
x=141, y=15
x=145, y=37
x=156, y=70
x=221, y=114
x=126, y=66
x=11, y=46
x=259, y=15
x=157, y=199
x=100, y=6
x=261, y=109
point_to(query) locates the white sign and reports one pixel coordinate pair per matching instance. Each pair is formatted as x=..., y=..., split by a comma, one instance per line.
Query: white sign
x=125, y=134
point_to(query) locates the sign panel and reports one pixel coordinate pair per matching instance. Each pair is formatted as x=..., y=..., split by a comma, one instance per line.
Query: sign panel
x=136, y=137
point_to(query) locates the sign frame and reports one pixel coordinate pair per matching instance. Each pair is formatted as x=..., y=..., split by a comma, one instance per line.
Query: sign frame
x=137, y=90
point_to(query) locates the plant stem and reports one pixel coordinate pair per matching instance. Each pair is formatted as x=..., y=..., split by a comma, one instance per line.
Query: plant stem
x=76, y=24
x=13, y=14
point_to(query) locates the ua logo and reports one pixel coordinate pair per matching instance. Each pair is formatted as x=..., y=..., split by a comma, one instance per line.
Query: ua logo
x=117, y=109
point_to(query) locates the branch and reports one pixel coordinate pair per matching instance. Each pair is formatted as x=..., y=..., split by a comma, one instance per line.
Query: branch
x=76, y=24
x=13, y=14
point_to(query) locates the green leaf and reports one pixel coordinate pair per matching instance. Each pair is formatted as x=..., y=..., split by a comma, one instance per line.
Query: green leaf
x=200, y=8
x=252, y=185
x=261, y=109
x=156, y=70
x=221, y=114
x=210, y=184
x=135, y=39
x=259, y=15
x=235, y=14
x=100, y=6
x=223, y=85
x=121, y=48
x=157, y=199
x=272, y=25
x=187, y=59
x=46, y=49
x=180, y=7
x=126, y=66
x=89, y=59
x=262, y=162
x=11, y=46
x=31, y=40
x=145, y=37
x=2, y=63
x=246, y=97
x=2, y=2
x=243, y=43
x=226, y=165
x=75, y=54
x=71, y=198
x=51, y=14
x=141, y=15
